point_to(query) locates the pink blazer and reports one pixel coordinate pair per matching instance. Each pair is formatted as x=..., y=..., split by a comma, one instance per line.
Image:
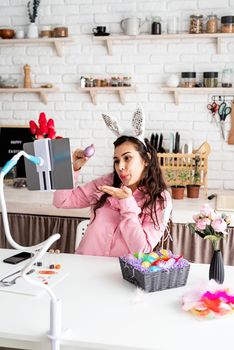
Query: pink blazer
x=117, y=228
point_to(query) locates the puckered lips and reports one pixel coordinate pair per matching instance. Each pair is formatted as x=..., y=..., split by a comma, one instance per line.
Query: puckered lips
x=124, y=176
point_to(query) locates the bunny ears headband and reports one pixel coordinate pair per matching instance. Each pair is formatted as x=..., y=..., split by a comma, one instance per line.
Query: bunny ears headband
x=138, y=125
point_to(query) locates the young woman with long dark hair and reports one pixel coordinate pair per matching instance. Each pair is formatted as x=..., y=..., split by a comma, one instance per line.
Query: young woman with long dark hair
x=127, y=206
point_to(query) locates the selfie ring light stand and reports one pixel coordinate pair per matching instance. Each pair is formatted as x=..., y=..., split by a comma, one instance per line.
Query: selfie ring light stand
x=39, y=250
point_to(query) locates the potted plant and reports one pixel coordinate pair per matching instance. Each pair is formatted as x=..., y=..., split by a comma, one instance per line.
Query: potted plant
x=177, y=179
x=193, y=186
x=32, y=7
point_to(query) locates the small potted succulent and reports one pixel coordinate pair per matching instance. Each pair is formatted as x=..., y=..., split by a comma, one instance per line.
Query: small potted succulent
x=32, y=7
x=177, y=180
x=193, y=186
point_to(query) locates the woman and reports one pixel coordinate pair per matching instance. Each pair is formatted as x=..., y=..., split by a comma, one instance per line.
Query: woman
x=127, y=205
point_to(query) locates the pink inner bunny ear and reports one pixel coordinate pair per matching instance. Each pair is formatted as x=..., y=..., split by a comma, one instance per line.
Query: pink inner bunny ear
x=138, y=122
x=112, y=124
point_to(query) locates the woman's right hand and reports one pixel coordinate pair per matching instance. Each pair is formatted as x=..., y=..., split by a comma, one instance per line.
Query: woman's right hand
x=79, y=159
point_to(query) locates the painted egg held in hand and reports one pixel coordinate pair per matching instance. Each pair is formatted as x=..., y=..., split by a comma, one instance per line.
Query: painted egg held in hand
x=89, y=151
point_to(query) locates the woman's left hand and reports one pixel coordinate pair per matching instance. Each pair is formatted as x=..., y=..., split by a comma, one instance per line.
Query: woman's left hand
x=119, y=193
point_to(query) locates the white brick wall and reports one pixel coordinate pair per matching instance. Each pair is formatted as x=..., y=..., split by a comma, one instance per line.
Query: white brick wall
x=149, y=63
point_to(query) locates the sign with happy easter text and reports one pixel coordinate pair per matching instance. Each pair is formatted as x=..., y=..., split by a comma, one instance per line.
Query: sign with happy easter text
x=12, y=139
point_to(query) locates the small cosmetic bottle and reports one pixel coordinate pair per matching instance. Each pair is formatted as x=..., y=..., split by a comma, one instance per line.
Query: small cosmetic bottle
x=51, y=259
x=57, y=259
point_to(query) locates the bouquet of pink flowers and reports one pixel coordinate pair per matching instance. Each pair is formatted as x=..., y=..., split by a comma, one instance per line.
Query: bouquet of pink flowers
x=210, y=225
x=44, y=128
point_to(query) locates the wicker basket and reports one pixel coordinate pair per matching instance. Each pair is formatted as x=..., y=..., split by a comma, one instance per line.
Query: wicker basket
x=154, y=281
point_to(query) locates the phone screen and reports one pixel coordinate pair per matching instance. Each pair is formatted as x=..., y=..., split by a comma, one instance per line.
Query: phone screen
x=15, y=259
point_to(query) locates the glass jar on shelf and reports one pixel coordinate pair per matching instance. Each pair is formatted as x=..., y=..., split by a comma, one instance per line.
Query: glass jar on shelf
x=156, y=27
x=120, y=81
x=108, y=81
x=210, y=79
x=87, y=83
x=91, y=82
x=188, y=79
x=212, y=24
x=172, y=25
x=82, y=82
x=196, y=24
x=97, y=82
x=227, y=77
x=127, y=81
x=104, y=83
x=227, y=24
x=114, y=82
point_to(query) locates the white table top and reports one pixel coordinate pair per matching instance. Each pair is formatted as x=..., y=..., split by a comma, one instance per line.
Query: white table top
x=102, y=311
x=23, y=201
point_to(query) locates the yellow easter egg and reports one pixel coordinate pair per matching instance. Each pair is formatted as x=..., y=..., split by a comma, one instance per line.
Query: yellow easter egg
x=154, y=255
x=145, y=264
x=164, y=252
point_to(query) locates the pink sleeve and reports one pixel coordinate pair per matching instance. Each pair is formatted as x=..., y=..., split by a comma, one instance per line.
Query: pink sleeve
x=140, y=236
x=80, y=197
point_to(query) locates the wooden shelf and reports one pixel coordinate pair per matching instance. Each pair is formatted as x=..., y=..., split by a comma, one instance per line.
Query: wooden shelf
x=195, y=91
x=56, y=42
x=41, y=91
x=218, y=37
x=121, y=90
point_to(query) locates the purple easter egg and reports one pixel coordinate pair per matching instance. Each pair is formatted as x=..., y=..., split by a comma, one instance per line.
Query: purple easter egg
x=89, y=151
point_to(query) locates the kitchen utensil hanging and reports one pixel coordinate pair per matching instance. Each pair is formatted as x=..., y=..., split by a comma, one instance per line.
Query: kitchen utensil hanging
x=223, y=112
x=213, y=108
x=230, y=139
x=222, y=98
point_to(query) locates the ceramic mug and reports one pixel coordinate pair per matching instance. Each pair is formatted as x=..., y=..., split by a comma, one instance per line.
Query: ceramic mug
x=132, y=25
x=99, y=30
x=19, y=34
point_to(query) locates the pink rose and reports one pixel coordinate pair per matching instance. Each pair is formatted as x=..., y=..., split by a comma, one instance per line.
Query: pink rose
x=213, y=215
x=196, y=217
x=219, y=225
x=207, y=220
x=206, y=210
x=201, y=224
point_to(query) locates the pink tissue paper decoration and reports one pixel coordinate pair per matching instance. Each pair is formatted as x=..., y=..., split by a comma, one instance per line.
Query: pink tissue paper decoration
x=209, y=301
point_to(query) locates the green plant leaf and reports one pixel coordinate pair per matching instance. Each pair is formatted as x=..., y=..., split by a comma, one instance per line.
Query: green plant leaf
x=202, y=235
x=212, y=238
x=192, y=228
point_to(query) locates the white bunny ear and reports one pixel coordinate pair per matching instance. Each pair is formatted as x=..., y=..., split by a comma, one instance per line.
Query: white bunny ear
x=112, y=124
x=138, y=122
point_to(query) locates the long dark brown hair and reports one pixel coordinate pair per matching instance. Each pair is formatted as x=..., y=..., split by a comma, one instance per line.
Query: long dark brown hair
x=152, y=184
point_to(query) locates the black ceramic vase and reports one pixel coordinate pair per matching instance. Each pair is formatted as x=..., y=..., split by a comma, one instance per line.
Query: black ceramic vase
x=216, y=271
